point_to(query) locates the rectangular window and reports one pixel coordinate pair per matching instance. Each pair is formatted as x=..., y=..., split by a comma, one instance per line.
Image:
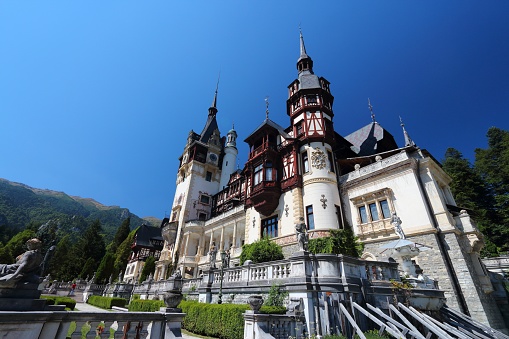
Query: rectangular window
x=310, y=218
x=299, y=128
x=202, y=216
x=331, y=161
x=258, y=174
x=373, y=211
x=205, y=199
x=363, y=214
x=208, y=177
x=268, y=171
x=338, y=215
x=269, y=227
x=384, y=206
x=305, y=162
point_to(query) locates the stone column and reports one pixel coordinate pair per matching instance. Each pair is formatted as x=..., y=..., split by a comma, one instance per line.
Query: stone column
x=221, y=242
x=211, y=239
x=234, y=241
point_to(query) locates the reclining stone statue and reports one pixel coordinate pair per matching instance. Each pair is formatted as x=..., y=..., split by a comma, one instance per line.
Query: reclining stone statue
x=26, y=269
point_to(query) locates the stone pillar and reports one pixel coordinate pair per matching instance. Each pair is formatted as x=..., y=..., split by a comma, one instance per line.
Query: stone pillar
x=186, y=244
x=221, y=242
x=234, y=241
x=211, y=239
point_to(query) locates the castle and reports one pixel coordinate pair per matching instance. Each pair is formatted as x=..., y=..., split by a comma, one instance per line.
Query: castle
x=307, y=170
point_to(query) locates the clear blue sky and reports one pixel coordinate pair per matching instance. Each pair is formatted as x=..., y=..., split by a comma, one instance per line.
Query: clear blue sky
x=97, y=97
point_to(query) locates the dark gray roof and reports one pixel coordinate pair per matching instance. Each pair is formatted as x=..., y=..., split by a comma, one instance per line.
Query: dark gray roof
x=268, y=122
x=371, y=139
x=145, y=233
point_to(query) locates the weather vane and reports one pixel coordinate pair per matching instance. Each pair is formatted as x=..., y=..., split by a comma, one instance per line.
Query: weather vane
x=371, y=110
x=267, y=107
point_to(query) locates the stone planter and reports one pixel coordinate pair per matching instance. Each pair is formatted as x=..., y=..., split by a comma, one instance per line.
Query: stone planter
x=255, y=302
x=172, y=299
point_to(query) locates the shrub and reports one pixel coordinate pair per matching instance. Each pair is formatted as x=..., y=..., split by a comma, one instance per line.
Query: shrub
x=54, y=300
x=262, y=250
x=106, y=302
x=273, y=309
x=139, y=305
x=276, y=296
x=220, y=321
x=339, y=242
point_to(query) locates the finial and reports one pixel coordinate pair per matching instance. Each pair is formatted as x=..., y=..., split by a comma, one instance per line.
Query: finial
x=302, y=46
x=214, y=102
x=371, y=110
x=266, y=107
x=408, y=140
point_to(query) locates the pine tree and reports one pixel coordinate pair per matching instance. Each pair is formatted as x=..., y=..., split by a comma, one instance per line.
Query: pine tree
x=123, y=251
x=471, y=192
x=121, y=234
x=92, y=243
x=106, y=268
x=492, y=164
x=148, y=268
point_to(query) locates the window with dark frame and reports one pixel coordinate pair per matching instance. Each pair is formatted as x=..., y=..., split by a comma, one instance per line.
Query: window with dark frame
x=305, y=162
x=269, y=171
x=310, y=217
x=269, y=227
x=258, y=172
x=202, y=216
x=208, y=176
x=331, y=160
x=205, y=199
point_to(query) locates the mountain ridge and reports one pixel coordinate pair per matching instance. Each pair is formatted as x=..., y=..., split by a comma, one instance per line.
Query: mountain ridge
x=22, y=205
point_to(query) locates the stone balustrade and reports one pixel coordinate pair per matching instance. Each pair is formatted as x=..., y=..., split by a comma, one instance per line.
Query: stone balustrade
x=57, y=325
x=276, y=326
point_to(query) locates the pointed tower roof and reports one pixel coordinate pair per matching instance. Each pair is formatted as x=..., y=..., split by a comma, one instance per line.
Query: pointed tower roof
x=211, y=124
x=408, y=140
x=305, y=63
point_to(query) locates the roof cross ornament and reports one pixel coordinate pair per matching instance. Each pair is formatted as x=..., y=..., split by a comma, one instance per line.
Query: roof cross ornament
x=371, y=110
x=266, y=108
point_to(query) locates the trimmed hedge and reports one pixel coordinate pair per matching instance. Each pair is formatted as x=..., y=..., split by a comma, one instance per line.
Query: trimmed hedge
x=53, y=300
x=220, y=321
x=139, y=305
x=106, y=302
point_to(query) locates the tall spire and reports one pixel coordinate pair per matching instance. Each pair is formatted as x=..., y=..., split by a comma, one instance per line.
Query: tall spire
x=371, y=110
x=304, y=64
x=408, y=140
x=303, y=53
x=266, y=108
x=213, y=108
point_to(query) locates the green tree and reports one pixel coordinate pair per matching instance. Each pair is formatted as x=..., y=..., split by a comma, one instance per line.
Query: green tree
x=341, y=241
x=262, y=250
x=66, y=263
x=148, y=268
x=471, y=192
x=121, y=234
x=15, y=246
x=92, y=243
x=89, y=269
x=492, y=164
x=123, y=252
x=106, y=268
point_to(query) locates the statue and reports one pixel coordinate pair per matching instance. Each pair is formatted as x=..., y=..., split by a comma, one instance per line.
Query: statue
x=302, y=234
x=26, y=268
x=396, y=222
x=212, y=255
x=226, y=261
